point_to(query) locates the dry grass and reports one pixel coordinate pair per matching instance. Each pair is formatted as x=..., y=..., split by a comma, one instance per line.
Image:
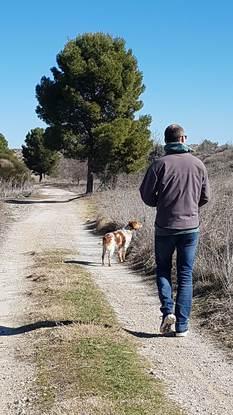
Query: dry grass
x=87, y=364
x=9, y=188
x=213, y=273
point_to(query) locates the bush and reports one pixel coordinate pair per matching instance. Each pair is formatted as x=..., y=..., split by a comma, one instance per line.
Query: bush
x=14, y=176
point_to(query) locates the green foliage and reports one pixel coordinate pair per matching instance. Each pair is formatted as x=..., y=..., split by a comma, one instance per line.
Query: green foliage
x=37, y=157
x=3, y=144
x=90, y=105
x=121, y=146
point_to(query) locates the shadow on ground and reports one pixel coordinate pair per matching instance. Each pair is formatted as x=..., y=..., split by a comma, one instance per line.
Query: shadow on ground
x=90, y=225
x=143, y=335
x=13, y=331
x=30, y=202
x=88, y=263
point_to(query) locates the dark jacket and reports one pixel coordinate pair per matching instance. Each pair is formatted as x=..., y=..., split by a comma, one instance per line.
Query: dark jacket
x=177, y=184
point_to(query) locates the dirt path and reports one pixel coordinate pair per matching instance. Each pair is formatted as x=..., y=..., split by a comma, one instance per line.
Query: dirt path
x=196, y=373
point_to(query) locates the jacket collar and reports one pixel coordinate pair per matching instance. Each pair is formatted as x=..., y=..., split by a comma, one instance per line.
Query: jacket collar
x=176, y=148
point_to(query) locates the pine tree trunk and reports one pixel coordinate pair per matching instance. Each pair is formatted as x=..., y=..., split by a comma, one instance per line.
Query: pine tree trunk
x=41, y=176
x=90, y=178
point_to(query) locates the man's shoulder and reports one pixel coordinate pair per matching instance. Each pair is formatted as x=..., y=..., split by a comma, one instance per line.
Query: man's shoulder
x=172, y=158
x=157, y=163
x=196, y=160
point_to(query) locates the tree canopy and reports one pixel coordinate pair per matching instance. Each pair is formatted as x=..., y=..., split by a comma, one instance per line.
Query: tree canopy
x=90, y=105
x=37, y=157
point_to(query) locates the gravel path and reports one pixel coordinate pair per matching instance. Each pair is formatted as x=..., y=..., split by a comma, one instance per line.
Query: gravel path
x=15, y=375
x=26, y=228
x=198, y=375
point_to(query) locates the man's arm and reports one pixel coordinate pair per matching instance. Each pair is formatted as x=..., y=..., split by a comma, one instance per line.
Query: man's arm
x=148, y=188
x=205, y=191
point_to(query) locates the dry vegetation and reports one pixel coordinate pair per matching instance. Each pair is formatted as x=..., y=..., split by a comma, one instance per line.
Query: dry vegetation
x=213, y=274
x=70, y=170
x=85, y=363
x=11, y=188
x=14, y=176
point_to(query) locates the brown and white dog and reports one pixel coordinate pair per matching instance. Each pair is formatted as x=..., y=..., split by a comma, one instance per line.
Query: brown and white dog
x=119, y=240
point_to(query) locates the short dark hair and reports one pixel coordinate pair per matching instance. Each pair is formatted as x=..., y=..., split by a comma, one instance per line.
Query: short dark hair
x=173, y=132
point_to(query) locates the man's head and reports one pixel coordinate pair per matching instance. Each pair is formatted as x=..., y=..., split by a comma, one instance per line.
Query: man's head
x=174, y=133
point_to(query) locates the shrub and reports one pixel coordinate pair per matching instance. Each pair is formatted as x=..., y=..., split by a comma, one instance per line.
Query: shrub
x=14, y=176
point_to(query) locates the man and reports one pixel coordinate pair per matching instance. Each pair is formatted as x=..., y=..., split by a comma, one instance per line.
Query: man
x=177, y=185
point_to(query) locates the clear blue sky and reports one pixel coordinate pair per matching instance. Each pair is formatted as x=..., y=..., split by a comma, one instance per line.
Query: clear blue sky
x=184, y=49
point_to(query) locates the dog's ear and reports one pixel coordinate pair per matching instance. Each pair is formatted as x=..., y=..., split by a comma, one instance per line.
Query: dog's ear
x=130, y=225
x=134, y=224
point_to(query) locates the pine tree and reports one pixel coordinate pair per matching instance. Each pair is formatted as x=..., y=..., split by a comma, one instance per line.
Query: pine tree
x=37, y=157
x=90, y=105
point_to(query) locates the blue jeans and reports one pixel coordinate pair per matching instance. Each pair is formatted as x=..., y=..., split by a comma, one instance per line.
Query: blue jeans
x=185, y=245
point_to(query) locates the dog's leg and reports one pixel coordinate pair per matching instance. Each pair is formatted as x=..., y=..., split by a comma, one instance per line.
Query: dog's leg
x=123, y=253
x=103, y=254
x=109, y=258
x=120, y=254
x=103, y=260
x=125, y=247
x=110, y=253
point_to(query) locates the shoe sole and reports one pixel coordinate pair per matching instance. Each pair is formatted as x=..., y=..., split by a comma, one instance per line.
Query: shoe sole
x=182, y=334
x=170, y=320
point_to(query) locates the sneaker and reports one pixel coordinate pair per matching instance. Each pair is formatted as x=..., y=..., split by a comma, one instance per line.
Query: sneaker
x=182, y=333
x=166, y=325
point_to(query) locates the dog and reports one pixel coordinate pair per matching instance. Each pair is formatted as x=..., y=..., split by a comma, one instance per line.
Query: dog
x=119, y=240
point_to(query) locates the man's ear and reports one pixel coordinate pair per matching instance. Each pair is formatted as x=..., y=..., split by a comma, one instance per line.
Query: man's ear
x=182, y=139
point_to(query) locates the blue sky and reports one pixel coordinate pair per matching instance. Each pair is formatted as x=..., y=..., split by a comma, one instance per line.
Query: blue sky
x=184, y=49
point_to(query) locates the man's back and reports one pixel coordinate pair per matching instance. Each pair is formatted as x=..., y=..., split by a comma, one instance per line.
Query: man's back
x=177, y=185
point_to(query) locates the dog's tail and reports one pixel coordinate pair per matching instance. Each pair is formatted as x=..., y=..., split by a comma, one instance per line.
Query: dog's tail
x=107, y=238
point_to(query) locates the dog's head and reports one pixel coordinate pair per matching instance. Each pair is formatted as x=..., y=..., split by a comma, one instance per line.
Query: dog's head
x=134, y=225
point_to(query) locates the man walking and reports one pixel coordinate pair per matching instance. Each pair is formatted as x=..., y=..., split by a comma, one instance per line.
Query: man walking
x=177, y=185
